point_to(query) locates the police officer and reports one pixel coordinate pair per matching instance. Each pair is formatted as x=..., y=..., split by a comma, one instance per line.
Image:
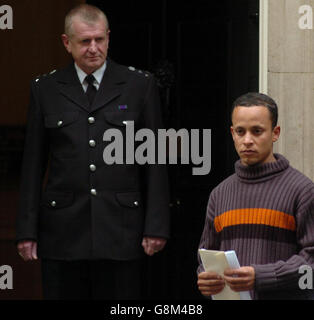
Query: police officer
x=91, y=222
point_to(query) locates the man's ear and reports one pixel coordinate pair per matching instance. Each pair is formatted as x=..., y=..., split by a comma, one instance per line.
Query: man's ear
x=276, y=133
x=232, y=131
x=66, y=42
x=107, y=35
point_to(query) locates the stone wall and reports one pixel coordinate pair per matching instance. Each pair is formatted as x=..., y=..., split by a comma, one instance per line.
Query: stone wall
x=290, y=80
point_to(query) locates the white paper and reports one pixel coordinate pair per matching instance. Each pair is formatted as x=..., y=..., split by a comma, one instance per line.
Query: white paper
x=218, y=261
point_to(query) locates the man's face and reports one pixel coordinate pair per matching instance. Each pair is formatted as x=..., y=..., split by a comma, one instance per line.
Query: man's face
x=253, y=135
x=88, y=44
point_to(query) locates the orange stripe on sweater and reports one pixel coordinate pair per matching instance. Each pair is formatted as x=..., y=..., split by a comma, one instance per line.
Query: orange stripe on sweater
x=262, y=216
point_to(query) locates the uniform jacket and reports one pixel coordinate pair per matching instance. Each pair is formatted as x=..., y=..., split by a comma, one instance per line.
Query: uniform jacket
x=87, y=208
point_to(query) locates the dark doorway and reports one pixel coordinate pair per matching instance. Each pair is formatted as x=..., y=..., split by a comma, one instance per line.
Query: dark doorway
x=204, y=54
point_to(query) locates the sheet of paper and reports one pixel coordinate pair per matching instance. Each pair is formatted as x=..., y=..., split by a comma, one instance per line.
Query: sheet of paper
x=234, y=264
x=218, y=261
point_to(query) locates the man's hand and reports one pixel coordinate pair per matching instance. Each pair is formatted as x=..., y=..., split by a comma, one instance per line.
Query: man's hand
x=27, y=250
x=242, y=279
x=152, y=245
x=210, y=283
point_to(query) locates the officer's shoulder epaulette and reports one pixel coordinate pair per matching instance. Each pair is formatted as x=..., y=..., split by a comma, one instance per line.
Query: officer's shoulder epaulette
x=44, y=75
x=143, y=73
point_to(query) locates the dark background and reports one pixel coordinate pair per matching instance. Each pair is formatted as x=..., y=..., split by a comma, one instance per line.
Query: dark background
x=204, y=54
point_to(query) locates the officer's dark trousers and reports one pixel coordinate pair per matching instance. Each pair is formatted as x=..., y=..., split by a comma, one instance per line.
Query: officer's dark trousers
x=89, y=279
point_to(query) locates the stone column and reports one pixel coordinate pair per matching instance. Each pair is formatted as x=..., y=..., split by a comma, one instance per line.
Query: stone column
x=288, y=77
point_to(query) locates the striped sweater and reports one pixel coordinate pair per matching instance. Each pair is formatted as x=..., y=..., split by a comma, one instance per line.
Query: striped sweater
x=266, y=214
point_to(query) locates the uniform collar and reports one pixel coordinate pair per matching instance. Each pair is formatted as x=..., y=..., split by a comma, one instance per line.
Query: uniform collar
x=98, y=74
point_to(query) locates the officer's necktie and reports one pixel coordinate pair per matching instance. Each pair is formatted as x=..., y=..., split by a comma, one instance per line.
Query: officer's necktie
x=91, y=89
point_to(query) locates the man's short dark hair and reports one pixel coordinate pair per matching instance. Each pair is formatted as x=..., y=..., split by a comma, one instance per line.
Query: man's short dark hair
x=252, y=99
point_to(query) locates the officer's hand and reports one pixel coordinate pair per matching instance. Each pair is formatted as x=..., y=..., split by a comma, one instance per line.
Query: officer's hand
x=27, y=250
x=152, y=245
x=241, y=279
x=210, y=283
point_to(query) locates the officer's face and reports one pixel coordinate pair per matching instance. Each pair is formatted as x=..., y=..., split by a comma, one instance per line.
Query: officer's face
x=88, y=44
x=253, y=134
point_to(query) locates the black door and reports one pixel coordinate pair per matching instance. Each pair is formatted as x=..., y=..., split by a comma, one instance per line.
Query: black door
x=204, y=54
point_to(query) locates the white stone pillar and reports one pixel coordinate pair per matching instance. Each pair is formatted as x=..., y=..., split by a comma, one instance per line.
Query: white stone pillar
x=287, y=75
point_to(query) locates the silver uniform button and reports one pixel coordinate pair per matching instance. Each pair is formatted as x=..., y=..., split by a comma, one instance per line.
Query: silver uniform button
x=92, y=143
x=92, y=167
x=91, y=119
x=53, y=203
x=136, y=203
x=59, y=123
x=93, y=192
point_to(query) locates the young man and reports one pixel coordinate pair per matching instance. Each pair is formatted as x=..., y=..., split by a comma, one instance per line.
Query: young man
x=265, y=211
x=93, y=221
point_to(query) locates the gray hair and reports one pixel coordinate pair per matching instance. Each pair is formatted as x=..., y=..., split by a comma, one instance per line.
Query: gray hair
x=87, y=13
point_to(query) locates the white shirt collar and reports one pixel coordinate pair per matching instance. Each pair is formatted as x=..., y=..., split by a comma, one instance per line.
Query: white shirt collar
x=98, y=74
